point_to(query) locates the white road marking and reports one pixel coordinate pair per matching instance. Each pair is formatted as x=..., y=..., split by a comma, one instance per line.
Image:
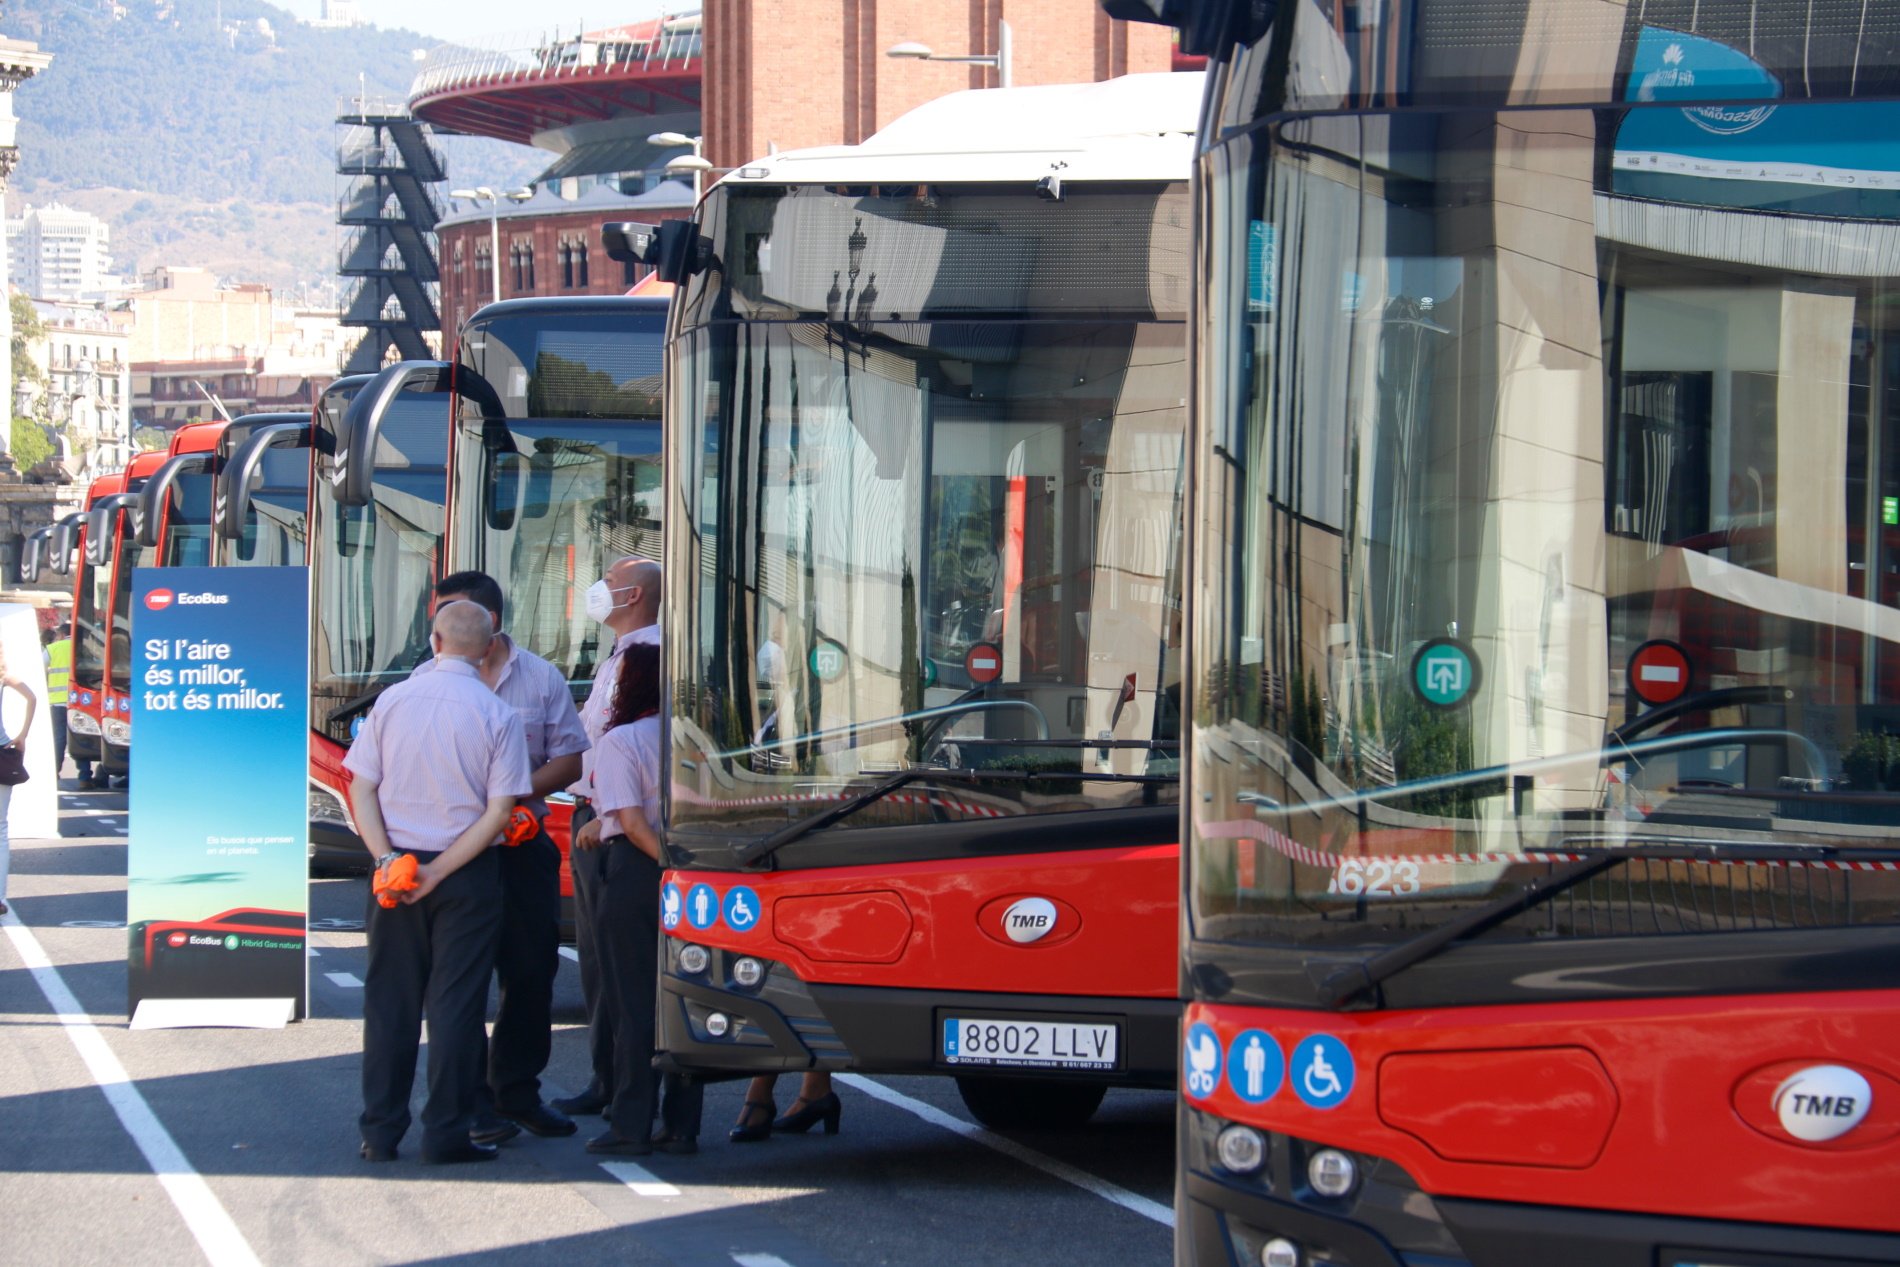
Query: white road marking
x=311, y=951
x=643, y=1181
x=1130, y=1201
x=759, y=1260
x=207, y=1218
x=348, y=980
x=568, y=952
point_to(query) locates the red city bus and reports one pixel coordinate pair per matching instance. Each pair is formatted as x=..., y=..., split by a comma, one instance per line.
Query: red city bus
x=1541, y=898
x=553, y=466
x=924, y=508
x=91, y=591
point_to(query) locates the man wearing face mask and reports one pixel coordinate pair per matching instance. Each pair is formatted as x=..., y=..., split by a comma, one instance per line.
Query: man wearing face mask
x=527, y=957
x=435, y=773
x=627, y=601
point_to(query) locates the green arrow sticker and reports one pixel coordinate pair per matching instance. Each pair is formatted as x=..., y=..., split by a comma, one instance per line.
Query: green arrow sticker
x=1445, y=673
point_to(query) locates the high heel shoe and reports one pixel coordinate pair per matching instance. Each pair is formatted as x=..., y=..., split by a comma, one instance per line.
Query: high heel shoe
x=826, y=1108
x=751, y=1129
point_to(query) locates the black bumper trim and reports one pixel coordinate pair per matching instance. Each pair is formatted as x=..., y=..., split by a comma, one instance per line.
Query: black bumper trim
x=885, y=1030
x=1210, y=1203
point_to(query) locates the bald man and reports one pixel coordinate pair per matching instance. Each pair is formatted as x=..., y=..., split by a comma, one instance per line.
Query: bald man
x=627, y=601
x=435, y=772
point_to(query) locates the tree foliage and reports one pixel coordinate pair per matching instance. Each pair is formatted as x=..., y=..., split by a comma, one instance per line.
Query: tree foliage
x=31, y=444
x=27, y=329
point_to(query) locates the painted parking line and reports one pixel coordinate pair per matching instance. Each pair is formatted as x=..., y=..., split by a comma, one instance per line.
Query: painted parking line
x=759, y=1260
x=642, y=1181
x=348, y=980
x=1130, y=1201
x=568, y=952
x=210, y=1224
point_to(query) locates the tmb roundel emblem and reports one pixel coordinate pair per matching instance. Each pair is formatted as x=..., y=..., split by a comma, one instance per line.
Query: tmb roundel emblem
x=1030, y=919
x=158, y=600
x=1822, y=1102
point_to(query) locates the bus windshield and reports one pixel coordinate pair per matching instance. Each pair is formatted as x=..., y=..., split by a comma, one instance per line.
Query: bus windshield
x=275, y=530
x=92, y=599
x=1548, y=478
x=130, y=555
x=557, y=461
x=943, y=532
x=187, y=540
x=372, y=565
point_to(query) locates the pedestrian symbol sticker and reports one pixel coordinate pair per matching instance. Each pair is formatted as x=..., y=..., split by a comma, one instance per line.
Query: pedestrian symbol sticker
x=1203, y=1061
x=1322, y=1071
x=670, y=906
x=741, y=909
x=702, y=906
x=1255, y=1066
x=1445, y=673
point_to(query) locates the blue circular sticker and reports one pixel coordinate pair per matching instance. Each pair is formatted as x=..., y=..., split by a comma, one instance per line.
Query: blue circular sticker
x=1200, y=1064
x=1255, y=1066
x=670, y=903
x=702, y=906
x=1322, y=1071
x=741, y=909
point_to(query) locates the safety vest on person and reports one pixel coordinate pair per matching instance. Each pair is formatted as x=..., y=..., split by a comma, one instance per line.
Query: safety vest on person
x=59, y=669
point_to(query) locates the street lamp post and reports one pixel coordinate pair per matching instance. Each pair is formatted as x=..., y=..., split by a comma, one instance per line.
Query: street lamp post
x=695, y=163
x=479, y=195
x=914, y=51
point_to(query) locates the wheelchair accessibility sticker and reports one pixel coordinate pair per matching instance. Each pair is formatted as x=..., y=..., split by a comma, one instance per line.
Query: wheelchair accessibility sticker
x=702, y=906
x=1202, y=1063
x=1321, y=1071
x=670, y=906
x=741, y=909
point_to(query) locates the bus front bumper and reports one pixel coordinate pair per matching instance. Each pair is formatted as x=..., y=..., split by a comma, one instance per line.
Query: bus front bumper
x=785, y=1024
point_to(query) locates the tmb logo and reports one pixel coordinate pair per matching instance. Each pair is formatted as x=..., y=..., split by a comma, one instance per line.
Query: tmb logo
x=1822, y=1102
x=159, y=600
x=1029, y=920
x=177, y=939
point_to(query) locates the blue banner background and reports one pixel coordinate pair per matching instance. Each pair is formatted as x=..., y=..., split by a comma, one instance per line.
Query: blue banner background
x=219, y=813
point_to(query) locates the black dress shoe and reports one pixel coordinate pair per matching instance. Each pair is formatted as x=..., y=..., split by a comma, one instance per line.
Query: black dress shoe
x=455, y=1154
x=827, y=1108
x=668, y=1142
x=491, y=1129
x=617, y=1145
x=378, y=1152
x=582, y=1105
x=543, y=1119
x=755, y=1122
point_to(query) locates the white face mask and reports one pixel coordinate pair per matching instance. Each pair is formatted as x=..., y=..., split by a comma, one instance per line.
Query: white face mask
x=600, y=600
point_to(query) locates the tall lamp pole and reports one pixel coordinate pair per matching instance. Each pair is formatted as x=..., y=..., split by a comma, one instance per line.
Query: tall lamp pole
x=999, y=60
x=479, y=195
x=694, y=163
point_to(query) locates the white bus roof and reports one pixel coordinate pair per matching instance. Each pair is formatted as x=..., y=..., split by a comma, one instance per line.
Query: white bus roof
x=1137, y=127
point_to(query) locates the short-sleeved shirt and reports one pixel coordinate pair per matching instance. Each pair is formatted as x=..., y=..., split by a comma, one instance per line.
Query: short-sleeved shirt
x=627, y=774
x=538, y=693
x=439, y=746
x=599, y=708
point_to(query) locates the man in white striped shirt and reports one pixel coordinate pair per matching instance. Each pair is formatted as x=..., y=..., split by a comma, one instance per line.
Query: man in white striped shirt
x=627, y=602
x=435, y=772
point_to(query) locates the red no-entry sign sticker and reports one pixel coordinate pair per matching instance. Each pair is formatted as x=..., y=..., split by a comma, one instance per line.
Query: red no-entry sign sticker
x=984, y=662
x=1659, y=672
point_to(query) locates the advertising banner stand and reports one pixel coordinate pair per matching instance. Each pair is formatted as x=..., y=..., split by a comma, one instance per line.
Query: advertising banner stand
x=217, y=873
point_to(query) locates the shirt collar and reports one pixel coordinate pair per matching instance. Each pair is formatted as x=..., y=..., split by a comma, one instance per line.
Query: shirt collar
x=455, y=666
x=626, y=640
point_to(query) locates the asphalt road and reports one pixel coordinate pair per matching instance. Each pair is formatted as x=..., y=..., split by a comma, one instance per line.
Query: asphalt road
x=265, y=1166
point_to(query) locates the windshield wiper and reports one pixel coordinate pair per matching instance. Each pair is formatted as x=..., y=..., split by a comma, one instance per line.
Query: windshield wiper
x=764, y=847
x=350, y=707
x=1346, y=983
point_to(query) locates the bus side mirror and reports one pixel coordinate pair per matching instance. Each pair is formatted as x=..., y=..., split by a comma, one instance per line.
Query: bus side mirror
x=151, y=503
x=240, y=473
x=504, y=488
x=1207, y=27
x=355, y=473
x=672, y=248
x=30, y=553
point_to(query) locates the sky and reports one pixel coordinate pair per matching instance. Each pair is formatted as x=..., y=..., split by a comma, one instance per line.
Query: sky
x=475, y=20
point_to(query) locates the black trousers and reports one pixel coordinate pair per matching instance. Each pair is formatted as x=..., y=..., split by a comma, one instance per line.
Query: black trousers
x=629, y=946
x=526, y=959
x=588, y=892
x=59, y=739
x=432, y=958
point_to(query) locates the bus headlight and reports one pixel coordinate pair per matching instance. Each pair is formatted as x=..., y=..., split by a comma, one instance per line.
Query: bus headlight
x=748, y=972
x=1242, y=1150
x=693, y=959
x=117, y=731
x=1279, y=1252
x=1332, y=1173
x=81, y=723
x=327, y=807
x=718, y=1024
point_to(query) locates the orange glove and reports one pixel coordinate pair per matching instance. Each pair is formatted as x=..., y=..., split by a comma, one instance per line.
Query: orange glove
x=522, y=827
x=394, y=880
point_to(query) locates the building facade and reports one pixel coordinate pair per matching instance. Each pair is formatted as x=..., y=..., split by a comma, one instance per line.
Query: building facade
x=60, y=253
x=85, y=387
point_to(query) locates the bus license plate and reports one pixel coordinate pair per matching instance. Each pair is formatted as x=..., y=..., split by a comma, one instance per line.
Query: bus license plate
x=1034, y=1044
